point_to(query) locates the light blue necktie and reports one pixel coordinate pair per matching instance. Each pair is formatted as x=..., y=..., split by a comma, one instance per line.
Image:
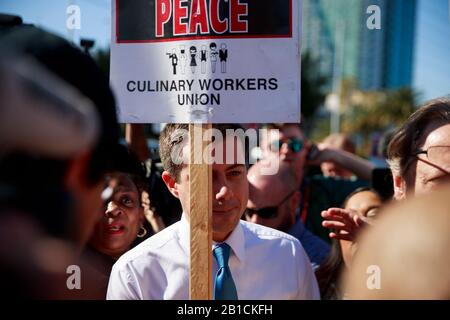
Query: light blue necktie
x=224, y=288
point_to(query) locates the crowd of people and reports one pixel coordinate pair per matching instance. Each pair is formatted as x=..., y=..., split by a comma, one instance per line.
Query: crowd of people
x=73, y=194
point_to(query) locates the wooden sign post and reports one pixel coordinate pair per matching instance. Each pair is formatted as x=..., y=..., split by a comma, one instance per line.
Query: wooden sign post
x=200, y=186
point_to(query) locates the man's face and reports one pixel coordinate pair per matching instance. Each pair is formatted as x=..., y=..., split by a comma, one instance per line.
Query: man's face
x=229, y=193
x=284, y=142
x=282, y=205
x=287, y=153
x=432, y=169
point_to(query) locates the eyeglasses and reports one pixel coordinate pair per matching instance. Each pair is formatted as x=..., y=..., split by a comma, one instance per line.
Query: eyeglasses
x=436, y=156
x=268, y=212
x=293, y=144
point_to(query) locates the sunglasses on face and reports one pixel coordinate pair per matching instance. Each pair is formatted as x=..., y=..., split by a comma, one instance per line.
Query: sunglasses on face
x=295, y=145
x=268, y=212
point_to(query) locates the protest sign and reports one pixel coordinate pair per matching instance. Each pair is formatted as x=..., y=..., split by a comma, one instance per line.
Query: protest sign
x=209, y=61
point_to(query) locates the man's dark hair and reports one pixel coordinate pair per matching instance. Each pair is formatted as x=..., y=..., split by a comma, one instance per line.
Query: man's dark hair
x=358, y=190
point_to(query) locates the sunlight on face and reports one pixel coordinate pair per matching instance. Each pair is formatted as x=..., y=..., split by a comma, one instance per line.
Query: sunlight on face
x=428, y=175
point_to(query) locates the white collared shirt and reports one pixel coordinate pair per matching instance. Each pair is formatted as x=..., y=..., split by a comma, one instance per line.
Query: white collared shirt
x=265, y=264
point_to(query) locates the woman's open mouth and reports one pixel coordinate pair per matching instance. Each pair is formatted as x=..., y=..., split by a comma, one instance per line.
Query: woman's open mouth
x=115, y=229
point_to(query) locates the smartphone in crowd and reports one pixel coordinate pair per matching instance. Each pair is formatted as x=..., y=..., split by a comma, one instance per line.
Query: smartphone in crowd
x=313, y=152
x=382, y=182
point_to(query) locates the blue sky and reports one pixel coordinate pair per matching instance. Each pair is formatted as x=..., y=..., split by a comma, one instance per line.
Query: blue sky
x=51, y=14
x=432, y=47
x=432, y=54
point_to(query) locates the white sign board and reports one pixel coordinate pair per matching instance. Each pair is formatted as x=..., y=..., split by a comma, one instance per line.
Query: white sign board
x=209, y=61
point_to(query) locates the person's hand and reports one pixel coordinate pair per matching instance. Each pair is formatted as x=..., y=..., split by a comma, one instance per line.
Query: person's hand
x=346, y=160
x=347, y=223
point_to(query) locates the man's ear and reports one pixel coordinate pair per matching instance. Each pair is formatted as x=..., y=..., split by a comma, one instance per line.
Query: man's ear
x=170, y=183
x=76, y=175
x=399, y=187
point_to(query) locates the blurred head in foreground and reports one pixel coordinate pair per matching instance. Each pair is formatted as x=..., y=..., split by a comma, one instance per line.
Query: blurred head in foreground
x=406, y=254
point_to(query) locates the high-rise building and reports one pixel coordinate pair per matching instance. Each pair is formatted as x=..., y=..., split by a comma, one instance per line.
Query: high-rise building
x=372, y=56
x=317, y=38
x=336, y=34
x=400, y=26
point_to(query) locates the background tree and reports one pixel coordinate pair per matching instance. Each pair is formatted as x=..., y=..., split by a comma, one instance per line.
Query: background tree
x=101, y=56
x=375, y=113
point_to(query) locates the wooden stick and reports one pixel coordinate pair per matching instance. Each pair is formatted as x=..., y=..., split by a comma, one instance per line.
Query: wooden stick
x=200, y=183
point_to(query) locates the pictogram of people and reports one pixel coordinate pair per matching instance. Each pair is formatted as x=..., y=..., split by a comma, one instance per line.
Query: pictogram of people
x=223, y=56
x=203, y=59
x=174, y=58
x=193, y=53
x=213, y=56
x=183, y=59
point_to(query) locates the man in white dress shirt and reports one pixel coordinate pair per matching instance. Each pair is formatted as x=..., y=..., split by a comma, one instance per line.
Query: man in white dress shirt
x=264, y=263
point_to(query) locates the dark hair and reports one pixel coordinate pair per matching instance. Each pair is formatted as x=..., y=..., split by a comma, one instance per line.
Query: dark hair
x=126, y=162
x=174, y=134
x=171, y=136
x=358, y=190
x=329, y=273
x=406, y=139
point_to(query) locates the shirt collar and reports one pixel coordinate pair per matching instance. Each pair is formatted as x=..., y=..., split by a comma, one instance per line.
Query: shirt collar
x=236, y=241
